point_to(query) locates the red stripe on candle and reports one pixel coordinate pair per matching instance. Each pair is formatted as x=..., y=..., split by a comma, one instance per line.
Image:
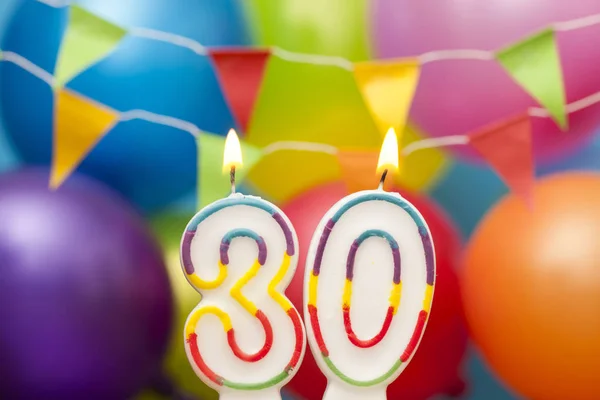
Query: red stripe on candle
x=364, y=344
x=416, y=336
x=314, y=321
x=299, y=334
x=192, y=342
x=259, y=355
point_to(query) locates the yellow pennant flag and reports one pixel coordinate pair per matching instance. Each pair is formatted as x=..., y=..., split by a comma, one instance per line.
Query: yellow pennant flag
x=79, y=124
x=388, y=88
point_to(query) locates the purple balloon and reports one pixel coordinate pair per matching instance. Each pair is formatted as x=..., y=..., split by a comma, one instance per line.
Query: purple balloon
x=459, y=96
x=85, y=300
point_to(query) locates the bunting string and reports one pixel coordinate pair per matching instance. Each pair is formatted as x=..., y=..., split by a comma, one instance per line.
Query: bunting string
x=186, y=126
x=387, y=88
x=425, y=58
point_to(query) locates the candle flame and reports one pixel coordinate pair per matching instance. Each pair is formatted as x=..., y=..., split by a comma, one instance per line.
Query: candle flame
x=388, y=157
x=232, y=155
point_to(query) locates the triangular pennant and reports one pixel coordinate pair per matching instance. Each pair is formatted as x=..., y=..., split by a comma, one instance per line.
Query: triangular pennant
x=88, y=38
x=79, y=124
x=212, y=183
x=240, y=73
x=535, y=65
x=507, y=146
x=388, y=89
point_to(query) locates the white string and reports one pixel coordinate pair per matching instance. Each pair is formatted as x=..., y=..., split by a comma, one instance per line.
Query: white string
x=430, y=143
x=161, y=120
x=171, y=38
x=570, y=108
x=28, y=66
x=300, y=146
x=433, y=56
x=578, y=23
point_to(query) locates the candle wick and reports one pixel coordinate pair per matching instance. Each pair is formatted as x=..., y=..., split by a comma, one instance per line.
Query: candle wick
x=382, y=180
x=232, y=179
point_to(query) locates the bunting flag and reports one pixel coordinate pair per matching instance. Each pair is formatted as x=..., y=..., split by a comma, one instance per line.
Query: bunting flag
x=388, y=89
x=535, y=65
x=79, y=125
x=507, y=147
x=213, y=184
x=88, y=39
x=240, y=72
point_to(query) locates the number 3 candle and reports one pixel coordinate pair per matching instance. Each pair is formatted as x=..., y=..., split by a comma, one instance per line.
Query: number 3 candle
x=368, y=288
x=244, y=339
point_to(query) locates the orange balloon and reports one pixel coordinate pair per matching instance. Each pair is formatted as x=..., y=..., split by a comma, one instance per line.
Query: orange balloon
x=531, y=289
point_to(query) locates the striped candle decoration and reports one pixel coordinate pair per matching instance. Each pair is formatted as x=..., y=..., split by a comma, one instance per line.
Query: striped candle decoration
x=209, y=239
x=357, y=366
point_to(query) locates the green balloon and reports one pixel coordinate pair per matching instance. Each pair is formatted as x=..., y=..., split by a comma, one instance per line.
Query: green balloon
x=168, y=228
x=332, y=27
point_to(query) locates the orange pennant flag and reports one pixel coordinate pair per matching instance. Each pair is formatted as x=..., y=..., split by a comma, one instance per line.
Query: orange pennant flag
x=240, y=73
x=358, y=169
x=507, y=146
x=388, y=88
x=79, y=124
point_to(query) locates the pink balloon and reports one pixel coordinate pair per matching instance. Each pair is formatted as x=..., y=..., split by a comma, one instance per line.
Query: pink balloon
x=458, y=96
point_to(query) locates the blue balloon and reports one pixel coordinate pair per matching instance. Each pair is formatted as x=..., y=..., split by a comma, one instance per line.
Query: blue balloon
x=151, y=165
x=466, y=192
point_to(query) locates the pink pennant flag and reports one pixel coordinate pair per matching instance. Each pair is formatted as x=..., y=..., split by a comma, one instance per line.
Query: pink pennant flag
x=240, y=72
x=507, y=147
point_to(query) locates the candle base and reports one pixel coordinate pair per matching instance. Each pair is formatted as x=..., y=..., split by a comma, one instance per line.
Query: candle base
x=339, y=391
x=266, y=394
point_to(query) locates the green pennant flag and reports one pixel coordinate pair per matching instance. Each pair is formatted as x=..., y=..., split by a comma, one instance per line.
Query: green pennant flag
x=213, y=184
x=88, y=38
x=535, y=65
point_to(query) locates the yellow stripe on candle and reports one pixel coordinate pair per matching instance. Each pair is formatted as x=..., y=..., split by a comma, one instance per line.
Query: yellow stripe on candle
x=347, y=293
x=273, y=292
x=202, y=284
x=193, y=319
x=236, y=290
x=428, y=298
x=395, y=296
x=312, y=289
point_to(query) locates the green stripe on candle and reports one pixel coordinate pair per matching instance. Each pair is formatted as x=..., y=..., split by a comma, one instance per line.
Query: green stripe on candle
x=256, y=386
x=354, y=382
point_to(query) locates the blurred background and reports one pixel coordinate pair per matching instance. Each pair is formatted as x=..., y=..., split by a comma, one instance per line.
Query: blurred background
x=92, y=298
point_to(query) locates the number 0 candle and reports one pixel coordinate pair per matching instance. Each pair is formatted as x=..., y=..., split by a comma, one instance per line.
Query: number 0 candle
x=368, y=288
x=244, y=339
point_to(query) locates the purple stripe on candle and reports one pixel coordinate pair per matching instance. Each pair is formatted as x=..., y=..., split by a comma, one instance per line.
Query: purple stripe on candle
x=350, y=260
x=289, y=238
x=429, y=261
x=396, y=256
x=224, y=253
x=186, y=253
x=262, y=250
x=321, y=248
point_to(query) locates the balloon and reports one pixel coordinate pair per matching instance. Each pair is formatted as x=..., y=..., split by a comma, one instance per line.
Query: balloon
x=334, y=28
x=586, y=158
x=435, y=367
x=169, y=227
x=466, y=192
x=86, y=305
x=150, y=164
x=531, y=289
x=458, y=96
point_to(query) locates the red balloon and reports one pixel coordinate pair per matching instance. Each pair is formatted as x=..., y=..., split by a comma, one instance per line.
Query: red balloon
x=435, y=368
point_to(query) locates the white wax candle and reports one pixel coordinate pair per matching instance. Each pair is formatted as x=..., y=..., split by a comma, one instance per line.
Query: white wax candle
x=368, y=288
x=244, y=339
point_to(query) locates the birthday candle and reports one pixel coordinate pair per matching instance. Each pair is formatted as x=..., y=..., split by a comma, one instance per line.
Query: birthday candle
x=244, y=339
x=368, y=288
